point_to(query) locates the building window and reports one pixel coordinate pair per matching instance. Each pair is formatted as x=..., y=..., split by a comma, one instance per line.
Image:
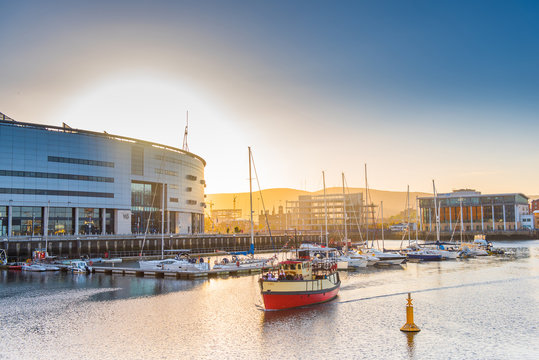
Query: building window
x=89, y=221
x=55, y=192
x=44, y=175
x=191, y=177
x=80, y=161
x=166, y=172
x=173, y=199
x=26, y=220
x=3, y=220
x=60, y=221
x=146, y=203
x=188, y=189
x=137, y=160
x=191, y=202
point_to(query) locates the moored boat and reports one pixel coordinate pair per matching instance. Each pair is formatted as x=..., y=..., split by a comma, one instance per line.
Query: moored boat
x=299, y=283
x=425, y=255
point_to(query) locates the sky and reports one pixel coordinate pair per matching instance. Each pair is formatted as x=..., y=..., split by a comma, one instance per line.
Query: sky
x=417, y=90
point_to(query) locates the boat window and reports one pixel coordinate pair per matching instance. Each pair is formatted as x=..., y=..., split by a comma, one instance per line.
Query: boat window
x=292, y=267
x=299, y=266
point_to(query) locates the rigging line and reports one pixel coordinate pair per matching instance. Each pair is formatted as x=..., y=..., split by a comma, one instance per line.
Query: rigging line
x=263, y=205
x=153, y=200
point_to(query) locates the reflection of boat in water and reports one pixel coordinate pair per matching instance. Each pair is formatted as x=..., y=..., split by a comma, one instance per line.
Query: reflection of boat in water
x=299, y=283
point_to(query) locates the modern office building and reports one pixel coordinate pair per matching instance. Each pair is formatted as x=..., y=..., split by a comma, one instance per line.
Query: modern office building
x=475, y=211
x=308, y=213
x=71, y=181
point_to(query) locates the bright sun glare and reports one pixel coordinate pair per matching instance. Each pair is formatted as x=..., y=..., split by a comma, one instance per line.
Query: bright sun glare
x=154, y=109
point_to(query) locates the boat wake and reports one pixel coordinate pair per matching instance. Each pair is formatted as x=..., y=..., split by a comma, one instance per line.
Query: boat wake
x=440, y=288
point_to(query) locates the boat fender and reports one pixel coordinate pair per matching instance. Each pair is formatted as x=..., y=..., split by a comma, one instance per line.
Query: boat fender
x=91, y=263
x=237, y=263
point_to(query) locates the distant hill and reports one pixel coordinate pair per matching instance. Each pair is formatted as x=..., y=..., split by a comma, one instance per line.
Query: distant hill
x=394, y=201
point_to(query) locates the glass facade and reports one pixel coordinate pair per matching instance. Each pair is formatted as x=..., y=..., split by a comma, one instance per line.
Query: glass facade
x=146, y=208
x=481, y=212
x=89, y=221
x=3, y=220
x=27, y=220
x=60, y=221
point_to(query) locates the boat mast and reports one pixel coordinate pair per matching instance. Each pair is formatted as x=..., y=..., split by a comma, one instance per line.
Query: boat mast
x=163, y=221
x=408, y=212
x=382, y=211
x=251, y=204
x=344, y=214
x=325, y=207
x=461, y=221
x=436, y=212
x=416, y=218
x=366, y=210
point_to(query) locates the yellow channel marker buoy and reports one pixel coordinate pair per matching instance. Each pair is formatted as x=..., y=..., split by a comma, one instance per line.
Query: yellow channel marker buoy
x=410, y=326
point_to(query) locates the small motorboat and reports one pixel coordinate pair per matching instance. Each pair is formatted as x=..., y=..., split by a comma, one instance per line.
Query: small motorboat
x=425, y=255
x=80, y=266
x=33, y=267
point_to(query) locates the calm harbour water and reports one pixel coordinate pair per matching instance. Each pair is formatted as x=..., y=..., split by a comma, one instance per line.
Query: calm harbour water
x=483, y=308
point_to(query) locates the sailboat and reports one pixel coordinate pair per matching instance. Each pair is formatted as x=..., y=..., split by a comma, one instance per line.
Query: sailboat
x=301, y=282
x=350, y=259
x=245, y=259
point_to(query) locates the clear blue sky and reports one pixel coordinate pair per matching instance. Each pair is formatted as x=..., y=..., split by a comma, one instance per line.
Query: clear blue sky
x=416, y=89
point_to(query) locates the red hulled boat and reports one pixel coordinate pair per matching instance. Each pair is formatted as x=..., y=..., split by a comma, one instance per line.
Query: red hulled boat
x=299, y=283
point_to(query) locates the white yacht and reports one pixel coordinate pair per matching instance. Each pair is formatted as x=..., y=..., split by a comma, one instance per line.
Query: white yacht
x=174, y=265
x=386, y=258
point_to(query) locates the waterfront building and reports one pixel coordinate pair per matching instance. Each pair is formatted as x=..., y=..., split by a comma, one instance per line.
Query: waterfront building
x=475, y=211
x=308, y=212
x=62, y=181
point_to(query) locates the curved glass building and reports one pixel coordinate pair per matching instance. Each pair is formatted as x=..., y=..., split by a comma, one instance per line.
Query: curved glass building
x=59, y=180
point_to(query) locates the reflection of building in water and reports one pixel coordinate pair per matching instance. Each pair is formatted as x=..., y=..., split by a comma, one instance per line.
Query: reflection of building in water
x=476, y=212
x=308, y=212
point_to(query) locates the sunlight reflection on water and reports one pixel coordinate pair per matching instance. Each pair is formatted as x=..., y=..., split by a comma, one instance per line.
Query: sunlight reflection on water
x=480, y=308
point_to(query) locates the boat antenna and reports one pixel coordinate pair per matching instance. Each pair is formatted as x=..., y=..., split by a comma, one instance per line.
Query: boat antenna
x=185, y=147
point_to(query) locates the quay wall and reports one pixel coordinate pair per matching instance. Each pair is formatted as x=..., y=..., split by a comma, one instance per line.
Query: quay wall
x=21, y=248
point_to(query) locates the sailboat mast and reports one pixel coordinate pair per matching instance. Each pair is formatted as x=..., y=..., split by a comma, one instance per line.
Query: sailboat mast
x=325, y=206
x=251, y=203
x=366, y=209
x=344, y=214
x=436, y=212
x=408, y=211
x=382, y=214
x=416, y=218
x=461, y=221
x=163, y=221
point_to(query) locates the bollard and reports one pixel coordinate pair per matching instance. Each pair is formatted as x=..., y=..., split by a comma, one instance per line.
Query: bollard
x=410, y=326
